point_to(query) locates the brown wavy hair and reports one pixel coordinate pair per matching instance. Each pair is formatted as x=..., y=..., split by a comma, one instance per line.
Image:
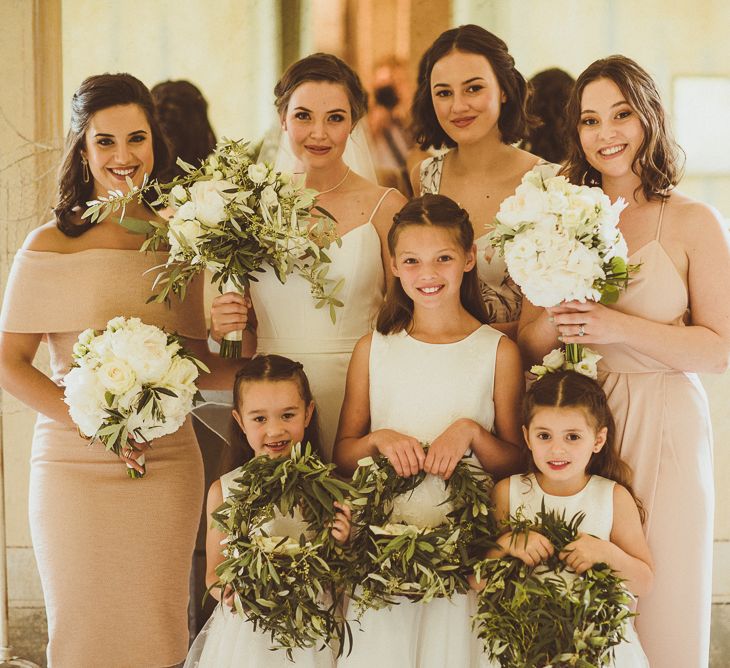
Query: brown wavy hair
x=275, y=368
x=183, y=115
x=396, y=313
x=569, y=389
x=549, y=93
x=95, y=94
x=322, y=67
x=514, y=120
x=658, y=160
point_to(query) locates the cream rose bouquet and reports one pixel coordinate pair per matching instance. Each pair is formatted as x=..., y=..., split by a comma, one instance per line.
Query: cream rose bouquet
x=561, y=242
x=233, y=216
x=130, y=383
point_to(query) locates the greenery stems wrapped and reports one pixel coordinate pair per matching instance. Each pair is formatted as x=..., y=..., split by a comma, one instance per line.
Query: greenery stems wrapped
x=419, y=562
x=546, y=616
x=287, y=587
x=234, y=217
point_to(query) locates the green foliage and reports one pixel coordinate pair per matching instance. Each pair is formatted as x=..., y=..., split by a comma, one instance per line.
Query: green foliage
x=288, y=591
x=289, y=235
x=545, y=616
x=418, y=562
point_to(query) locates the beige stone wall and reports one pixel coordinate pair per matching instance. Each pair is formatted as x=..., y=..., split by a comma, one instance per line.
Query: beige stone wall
x=229, y=48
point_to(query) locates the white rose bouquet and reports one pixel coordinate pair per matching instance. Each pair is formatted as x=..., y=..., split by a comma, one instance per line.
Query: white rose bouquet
x=561, y=242
x=129, y=384
x=233, y=216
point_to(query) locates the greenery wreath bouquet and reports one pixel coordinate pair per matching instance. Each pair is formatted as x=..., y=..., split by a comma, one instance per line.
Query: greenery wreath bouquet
x=233, y=216
x=286, y=585
x=402, y=556
x=545, y=616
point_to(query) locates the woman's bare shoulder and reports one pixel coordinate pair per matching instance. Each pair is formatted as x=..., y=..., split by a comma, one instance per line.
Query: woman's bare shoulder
x=689, y=217
x=47, y=238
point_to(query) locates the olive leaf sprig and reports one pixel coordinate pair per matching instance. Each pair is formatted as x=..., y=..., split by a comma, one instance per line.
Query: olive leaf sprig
x=286, y=586
x=545, y=616
x=234, y=217
x=406, y=560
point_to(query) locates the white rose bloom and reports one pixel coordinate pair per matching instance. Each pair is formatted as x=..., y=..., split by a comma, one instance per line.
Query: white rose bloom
x=178, y=196
x=210, y=201
x=554, y=359
x=181, y=375
x=189, y=231
x=116, y=376
x=145, y=351
x=185, y=212
x=84, y=395
x=258, y=172
x=269, y=198
x=129, y=398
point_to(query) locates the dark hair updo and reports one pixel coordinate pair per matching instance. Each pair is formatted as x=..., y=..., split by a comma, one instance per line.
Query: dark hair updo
x=97, y=93
x=322, y=67
x=514, y=120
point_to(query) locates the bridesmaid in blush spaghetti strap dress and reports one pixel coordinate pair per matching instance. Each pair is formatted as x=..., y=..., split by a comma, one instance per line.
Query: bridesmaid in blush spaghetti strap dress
x=672, y=322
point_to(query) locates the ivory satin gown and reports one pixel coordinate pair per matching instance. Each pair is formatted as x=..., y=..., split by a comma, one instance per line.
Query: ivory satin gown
x=114, y=554
x=290, y=325
x=664, y=433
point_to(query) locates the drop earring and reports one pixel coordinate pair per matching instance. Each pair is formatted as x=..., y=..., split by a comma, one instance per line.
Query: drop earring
x=85, y=169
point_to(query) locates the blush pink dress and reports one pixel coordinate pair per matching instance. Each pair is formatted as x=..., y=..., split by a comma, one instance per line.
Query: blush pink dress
x=114, y=554
x=664, y=432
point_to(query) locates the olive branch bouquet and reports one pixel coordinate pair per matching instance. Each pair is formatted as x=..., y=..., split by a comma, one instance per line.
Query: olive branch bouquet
x=286, y=586
x=420, y=562
x=233, y=216
x=545, y=616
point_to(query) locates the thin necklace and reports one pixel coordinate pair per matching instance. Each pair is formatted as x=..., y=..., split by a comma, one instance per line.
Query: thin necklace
x=329, y=190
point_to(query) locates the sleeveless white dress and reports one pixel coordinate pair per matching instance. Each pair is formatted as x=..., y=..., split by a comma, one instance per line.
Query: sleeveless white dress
x=420, y=389
x=501, y=295
x=229, y=641
x=596, y=501
x=290, y=325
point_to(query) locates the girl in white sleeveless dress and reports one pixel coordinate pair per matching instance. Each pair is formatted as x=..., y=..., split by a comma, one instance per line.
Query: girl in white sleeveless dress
x=320, y=100
x=428, y=375
x=575, y=467
x=274, y=409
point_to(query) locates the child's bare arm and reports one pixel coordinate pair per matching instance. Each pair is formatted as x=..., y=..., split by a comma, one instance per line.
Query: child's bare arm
x=627, y=552
x=213, y=538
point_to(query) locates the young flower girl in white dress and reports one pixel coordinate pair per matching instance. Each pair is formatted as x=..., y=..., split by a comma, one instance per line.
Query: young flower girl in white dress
x=427, y=375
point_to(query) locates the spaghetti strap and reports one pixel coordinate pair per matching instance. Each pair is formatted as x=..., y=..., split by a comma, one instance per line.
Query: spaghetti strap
x=377, y=206
x=661, y=218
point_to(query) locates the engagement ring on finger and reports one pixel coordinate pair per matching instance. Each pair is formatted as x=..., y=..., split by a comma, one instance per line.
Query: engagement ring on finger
x=581, y=331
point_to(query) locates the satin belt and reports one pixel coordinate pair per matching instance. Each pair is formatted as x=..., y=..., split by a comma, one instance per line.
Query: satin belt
x=298, y=346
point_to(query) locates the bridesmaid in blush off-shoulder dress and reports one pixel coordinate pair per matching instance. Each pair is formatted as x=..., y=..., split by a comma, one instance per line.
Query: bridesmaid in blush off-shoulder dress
x=671, y=323
x=114, y=554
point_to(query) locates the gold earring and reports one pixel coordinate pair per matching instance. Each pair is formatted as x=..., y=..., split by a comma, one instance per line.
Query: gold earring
x=85, y=169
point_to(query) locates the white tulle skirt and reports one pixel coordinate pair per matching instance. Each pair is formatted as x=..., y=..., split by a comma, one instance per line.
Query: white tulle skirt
x=228, y=641
x=416, y=635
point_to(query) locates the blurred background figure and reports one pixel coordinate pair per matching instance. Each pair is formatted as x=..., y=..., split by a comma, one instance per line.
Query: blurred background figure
x=550, y=90
x=388, y=122
x=183, y=114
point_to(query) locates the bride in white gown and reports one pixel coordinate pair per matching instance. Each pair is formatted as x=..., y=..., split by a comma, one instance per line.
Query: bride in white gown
x=320, y=100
